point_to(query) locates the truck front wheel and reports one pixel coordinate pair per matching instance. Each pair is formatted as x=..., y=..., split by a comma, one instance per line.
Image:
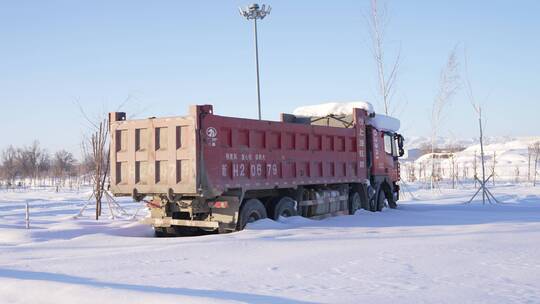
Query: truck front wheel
x=381, y=199
x=385, y=198
x=252, y=210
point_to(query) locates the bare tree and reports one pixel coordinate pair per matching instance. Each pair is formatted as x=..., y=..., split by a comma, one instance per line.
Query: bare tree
x=411, y=171
x=453, y=169
x=34, y=163
x=86, y=168
x=96, y=153
x=23, y=165
x=530, y=153
x=536, y=148
x=34, y=153
x=9, y=165
x=478, y=109
x=456, y=172
x=448, y=87
x=387, y=70
x=44, y=165
x=63, y=166
x=27, y=161
x=96, y=157
x=453, y=148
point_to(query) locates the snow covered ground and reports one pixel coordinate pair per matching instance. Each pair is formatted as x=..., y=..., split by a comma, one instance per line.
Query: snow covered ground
x=434, y=249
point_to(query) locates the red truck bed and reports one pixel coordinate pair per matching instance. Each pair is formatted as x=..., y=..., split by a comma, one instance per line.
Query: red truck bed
x=214, y=153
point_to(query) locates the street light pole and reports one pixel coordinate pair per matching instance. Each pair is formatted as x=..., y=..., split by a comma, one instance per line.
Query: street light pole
x=254, y=12
x=257, y=64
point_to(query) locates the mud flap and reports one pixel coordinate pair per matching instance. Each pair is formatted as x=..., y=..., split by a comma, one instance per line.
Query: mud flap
x=226, y=217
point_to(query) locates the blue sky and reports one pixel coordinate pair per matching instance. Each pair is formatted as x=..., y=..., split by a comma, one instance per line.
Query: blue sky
x=166, y=55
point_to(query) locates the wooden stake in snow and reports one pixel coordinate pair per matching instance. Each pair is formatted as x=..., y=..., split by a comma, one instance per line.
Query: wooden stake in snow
x=537, y=155
x=111, y=203
x=482, y=184
x=27, y=214
x=453, y=169
x=493, y=166
x=530, y=153
x=475, y=169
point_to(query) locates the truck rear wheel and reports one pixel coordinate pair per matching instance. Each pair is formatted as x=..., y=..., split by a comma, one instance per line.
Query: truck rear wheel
x=160, y=232
x=371, y=196
x=175, y=231
x=252, y=210
x=285, y=207
x=355, y=202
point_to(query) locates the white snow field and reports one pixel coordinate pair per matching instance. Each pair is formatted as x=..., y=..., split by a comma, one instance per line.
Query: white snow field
x=431, y=250
x=511, y=160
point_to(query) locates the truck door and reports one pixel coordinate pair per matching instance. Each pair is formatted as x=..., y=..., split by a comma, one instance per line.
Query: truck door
x=390, y=156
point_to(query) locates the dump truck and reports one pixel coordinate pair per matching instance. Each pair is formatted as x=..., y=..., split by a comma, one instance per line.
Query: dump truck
x=209, y=172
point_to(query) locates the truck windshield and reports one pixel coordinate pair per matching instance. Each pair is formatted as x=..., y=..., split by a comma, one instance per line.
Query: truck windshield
x=390, y=145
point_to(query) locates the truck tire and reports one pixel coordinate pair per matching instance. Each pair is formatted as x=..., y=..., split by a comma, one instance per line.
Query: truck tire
x=371, y=196
x=252, y=210
x=176, y=231
x=385, y=198
x=390, y=198
x=160, y=232
x=285, y=207
x=187, y=231
x=381, y=199
x=355, y=202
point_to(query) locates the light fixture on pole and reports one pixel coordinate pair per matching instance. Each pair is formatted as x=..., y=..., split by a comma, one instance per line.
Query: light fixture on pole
x=254, y=12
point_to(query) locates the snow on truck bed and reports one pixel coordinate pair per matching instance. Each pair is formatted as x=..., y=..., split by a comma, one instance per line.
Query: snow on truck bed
x=336, y=108
x=384, y=123
x=434, y=250
x=379, y=121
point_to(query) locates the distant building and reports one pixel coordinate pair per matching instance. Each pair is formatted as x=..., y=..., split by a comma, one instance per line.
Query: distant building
x=412, y=154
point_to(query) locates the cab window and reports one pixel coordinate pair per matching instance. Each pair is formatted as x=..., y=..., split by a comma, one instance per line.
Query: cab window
x=388, y=143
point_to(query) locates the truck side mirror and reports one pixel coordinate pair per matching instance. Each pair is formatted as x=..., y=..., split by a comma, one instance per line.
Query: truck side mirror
x=399, y=139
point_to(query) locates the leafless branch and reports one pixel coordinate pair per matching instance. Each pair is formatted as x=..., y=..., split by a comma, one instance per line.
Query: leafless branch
x=377, y=22
x=84, y=115
x=448, y=87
